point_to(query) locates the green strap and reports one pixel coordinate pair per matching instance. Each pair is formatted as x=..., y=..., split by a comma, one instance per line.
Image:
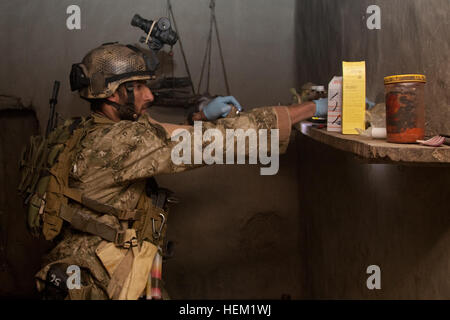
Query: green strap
x=135, y=214
x=86, y=223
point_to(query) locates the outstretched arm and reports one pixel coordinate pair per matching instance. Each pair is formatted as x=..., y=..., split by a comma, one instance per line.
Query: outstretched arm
x=303, y=111
x=297, y=113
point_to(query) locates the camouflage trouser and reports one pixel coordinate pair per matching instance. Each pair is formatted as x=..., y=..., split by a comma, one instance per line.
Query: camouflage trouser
x=76, y=249
x=56, y=287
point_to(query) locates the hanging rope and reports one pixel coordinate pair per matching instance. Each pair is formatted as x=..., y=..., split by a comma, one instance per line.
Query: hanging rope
x=207, y=56
x=220, y=50
x=172, y=16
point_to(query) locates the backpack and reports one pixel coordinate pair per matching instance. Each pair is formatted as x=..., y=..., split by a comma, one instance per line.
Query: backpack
x=44, y=169
x=44, y=173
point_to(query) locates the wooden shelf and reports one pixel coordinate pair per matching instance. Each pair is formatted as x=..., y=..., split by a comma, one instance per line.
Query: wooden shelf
x=377, y=150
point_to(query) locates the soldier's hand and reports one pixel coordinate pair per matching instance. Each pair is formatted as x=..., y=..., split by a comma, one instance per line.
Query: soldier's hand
x=321, y=107
x=220, y=107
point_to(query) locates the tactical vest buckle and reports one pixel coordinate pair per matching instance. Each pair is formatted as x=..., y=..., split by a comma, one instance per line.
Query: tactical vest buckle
x=133, y=242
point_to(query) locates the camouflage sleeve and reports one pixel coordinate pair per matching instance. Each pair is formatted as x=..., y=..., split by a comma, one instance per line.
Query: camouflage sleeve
x=263, y=118
x=129, y=151
x=266, y=118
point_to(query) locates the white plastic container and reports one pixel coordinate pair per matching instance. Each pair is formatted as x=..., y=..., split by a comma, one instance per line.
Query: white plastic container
x=335, y=105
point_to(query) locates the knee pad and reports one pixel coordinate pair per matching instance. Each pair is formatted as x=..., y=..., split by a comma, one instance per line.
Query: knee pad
x=56, y=282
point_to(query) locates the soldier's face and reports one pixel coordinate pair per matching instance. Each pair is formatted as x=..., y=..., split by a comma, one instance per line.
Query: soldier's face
x=143, y=97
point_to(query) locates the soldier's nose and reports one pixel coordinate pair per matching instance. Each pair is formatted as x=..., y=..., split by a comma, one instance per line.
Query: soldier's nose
x=149, y=95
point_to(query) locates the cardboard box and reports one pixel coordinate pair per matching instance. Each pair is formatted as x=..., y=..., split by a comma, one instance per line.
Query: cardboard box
x=353, y=97
x=335, y=105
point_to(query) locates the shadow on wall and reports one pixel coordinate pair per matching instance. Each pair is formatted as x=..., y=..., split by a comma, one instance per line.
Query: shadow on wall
x=395, y=217
x=20, y=254
x=236, y=233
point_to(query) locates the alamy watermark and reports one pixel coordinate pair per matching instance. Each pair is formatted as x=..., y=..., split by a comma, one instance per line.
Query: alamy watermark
x=374, y=281
x=72, y=282
x=213, y=152
x=374, y=20
x=73, y=22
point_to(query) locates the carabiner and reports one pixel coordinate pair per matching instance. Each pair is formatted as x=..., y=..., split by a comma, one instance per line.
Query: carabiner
x=157, y=234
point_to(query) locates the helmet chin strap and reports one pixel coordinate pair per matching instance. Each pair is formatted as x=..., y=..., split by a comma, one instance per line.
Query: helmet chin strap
x=127, y=110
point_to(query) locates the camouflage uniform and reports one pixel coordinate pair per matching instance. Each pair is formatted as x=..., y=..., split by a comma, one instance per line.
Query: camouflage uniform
x=111, y=166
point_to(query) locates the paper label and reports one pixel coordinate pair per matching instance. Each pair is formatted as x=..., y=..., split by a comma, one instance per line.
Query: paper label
x=354, y=97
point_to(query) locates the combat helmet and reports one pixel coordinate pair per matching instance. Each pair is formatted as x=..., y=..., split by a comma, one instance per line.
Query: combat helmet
x=105, y=68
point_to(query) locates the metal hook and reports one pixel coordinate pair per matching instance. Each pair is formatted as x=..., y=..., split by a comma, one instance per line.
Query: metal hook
x=157, y=234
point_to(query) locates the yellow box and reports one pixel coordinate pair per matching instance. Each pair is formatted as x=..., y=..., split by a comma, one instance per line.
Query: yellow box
x=353, y=97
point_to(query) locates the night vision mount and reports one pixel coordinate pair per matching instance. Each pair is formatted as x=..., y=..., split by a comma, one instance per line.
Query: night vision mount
x=159, y=32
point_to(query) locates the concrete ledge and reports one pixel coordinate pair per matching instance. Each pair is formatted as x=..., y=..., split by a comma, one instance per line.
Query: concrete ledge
x=376, y=150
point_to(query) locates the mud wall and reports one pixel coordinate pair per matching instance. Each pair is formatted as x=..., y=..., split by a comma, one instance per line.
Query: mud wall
x=19, y=252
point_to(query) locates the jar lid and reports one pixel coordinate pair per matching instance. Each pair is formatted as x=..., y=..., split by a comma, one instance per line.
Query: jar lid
x=320, y=88
x=405, y=78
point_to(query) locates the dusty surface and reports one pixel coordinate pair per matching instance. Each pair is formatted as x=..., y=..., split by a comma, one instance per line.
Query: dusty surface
x=379, y=150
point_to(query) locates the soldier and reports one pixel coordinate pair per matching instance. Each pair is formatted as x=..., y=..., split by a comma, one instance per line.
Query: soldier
x=113, y=235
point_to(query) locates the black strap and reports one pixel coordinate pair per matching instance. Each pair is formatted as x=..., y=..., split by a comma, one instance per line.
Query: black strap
x=130, y=92
x=127, y=75
x=126, y=111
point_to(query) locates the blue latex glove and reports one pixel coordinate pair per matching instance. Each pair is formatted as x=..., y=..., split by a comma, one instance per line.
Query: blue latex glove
x=321, y=107
x=369, y=104
x=220, y=107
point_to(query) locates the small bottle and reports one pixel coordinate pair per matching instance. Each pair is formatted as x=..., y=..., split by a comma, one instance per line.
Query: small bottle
x=314, y=93
x=321, y=92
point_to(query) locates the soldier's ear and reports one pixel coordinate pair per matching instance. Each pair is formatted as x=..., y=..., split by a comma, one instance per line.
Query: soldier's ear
x=115, y=97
